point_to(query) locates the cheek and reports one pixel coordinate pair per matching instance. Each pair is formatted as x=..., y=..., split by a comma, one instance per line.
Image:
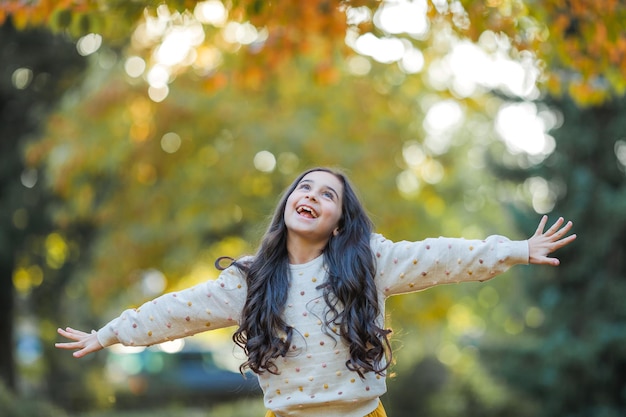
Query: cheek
x=290, y=200
x=338, y=216
x=290, y=204
x=288, y=208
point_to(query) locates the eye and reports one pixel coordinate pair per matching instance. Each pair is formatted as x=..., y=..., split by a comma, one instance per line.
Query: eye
x=305, y=187
x=328, y=194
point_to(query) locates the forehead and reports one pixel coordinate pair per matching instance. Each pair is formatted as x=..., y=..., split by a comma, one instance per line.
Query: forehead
x=324, y=179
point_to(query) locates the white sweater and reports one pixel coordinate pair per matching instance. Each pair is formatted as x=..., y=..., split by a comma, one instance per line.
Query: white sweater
x=313, y=378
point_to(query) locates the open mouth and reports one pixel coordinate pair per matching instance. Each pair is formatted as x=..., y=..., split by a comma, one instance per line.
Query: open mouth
x=306, y=211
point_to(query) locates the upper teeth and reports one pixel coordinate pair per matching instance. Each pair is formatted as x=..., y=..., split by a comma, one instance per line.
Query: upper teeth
x=307, y=209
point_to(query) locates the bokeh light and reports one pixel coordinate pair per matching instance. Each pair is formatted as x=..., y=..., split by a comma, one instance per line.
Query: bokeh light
x=384, y=50
x=402, y=16
x=29, y=177
x=134, y=66
x=26, y=278
x=158, y=76
x=21, y=78
x=358, y=15
x=448, y=353
x=172, y=346
x=412, y=61
x=265, y=161
x=442, y=120
x=413, y=154
x=57, y=250
x=241, y=33
x=170, y=142
x=543, y=197
x=534, y=317
x=288, y=162
x=158, y=94
x=211, y=12
x=408, y=183
x=522, y=130
x=89, y=44
x=178, y=44
x=358, y=65
x=488, y=297
x=153, y=282
x=463, y=322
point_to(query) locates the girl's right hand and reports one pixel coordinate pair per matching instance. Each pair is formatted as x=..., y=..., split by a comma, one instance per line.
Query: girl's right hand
x=84, y=343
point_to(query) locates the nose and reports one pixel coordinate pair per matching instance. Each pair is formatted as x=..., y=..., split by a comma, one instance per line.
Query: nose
x=310, y=196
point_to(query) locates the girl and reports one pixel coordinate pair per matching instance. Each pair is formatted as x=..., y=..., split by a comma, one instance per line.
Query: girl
x=310, y=303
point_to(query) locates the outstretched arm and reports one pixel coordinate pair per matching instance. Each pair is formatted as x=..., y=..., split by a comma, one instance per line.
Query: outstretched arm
x=84, y=343
x=541, y=244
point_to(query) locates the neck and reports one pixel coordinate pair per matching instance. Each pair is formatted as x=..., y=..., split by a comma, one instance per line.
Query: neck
x=301, y=251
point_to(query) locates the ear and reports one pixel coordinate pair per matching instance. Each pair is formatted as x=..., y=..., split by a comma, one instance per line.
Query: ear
x=336, y=231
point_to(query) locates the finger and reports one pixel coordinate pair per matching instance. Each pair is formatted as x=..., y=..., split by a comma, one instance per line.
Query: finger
x=71, y=333
x=555, y=227
x=66, y=331
x=81, y=353
x=66, y=334
x=564, y=242
x=90, y=348
x=568, y=226
x=564, y=230
x=553, y=262
x=542, y=225
x=69, y=345
x=548, y=261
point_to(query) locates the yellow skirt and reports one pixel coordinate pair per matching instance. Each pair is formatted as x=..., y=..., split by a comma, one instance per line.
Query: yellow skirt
x=379, y=412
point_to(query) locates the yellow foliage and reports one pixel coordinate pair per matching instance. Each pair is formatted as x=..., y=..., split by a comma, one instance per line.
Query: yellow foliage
x=57, y=250
x=567, y=36
x=587, y=39
x=26, y=278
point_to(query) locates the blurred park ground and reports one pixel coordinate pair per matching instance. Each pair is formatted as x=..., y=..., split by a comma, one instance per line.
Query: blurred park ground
x=143, y=140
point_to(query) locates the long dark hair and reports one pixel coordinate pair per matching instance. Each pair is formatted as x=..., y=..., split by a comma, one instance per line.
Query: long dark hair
x=349, y=291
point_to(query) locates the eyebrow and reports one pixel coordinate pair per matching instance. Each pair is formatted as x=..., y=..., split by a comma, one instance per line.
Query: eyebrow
x=326, y=186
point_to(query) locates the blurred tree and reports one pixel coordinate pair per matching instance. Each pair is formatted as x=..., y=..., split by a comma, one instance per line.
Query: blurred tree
x=580, y=57
x=37, y=69
x=581, y=43
x=571, y=360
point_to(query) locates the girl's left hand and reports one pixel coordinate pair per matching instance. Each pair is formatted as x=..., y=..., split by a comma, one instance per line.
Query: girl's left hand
x=541, y=244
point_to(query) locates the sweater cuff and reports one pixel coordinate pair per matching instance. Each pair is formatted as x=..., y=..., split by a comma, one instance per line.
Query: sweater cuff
x=107, y=336
x=519, y=251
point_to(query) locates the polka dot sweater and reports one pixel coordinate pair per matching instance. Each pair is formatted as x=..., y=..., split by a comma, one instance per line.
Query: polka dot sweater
x=313, y=377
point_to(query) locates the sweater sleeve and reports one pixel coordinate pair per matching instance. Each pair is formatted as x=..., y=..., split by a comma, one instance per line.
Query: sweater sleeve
x=206, y=306
x=404, y=267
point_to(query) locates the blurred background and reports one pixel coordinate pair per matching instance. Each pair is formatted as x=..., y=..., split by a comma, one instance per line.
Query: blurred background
x=142, y=140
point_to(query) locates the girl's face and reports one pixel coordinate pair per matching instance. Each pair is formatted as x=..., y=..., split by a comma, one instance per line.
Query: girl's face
x=313, y=209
